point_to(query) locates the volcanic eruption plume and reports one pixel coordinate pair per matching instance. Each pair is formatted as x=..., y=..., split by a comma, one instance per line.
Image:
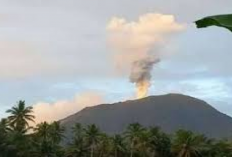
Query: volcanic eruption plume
x=141, y=75
x=138, y=45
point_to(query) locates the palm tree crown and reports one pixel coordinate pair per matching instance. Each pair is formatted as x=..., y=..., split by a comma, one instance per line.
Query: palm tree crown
x=92, y=136
x=20, y=116
x=187, y=144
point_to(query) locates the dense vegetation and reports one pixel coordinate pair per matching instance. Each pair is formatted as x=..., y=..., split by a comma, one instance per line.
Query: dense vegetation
x=19, y=139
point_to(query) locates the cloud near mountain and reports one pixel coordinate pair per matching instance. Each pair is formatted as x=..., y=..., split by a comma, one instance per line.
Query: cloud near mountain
x=54, y=111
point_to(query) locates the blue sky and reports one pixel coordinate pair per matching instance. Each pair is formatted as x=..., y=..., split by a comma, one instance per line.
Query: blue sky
x=52, y=50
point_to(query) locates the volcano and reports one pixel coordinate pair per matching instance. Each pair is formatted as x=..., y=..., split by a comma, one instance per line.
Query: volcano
x=169, y=112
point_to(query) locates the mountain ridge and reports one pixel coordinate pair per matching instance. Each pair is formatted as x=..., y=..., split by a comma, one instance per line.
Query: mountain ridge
x=170, y=112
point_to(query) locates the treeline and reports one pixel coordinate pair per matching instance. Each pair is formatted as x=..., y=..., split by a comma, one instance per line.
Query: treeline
x=19, y=139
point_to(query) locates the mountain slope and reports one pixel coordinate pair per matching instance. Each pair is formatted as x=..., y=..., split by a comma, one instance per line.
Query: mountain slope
x=170, y=112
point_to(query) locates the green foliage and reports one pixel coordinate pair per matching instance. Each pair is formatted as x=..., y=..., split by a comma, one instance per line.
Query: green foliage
x=137, y=141
x=20, y=116
x=159, y=142
x=92, y=138
x=135, y=136
x=219, y=20
x=46, y=139
x=118, y=145
x=222, y=148
x=188, y=144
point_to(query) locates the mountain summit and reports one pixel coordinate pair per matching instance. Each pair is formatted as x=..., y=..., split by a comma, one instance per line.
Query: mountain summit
x=170, y=112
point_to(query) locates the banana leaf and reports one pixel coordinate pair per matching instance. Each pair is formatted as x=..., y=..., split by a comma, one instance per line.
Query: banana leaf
x=218, y=20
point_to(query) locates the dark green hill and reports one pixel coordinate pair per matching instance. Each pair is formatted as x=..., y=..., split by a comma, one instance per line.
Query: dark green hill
x=170, y=112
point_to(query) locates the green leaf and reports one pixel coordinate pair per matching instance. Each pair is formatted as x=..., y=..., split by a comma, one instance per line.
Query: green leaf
x=218, y=20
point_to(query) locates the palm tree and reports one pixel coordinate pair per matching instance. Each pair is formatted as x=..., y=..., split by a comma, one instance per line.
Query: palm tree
x=133, y=134
x=92, y=137
x=43, y=145
x=104, y=146
x=42, y=130
x=159, y=142
x=43, y=149
x=4, y=126
x=118, y=145
x=56, y=132
x=76, y=148
x=221, y=148
x=77, y=130
x=187, y=144
x=18, y=120
x=20, y=116
x=143, y=145
x=18, y=142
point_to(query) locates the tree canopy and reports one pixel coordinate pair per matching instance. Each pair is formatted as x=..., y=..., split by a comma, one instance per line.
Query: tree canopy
x=47, y=140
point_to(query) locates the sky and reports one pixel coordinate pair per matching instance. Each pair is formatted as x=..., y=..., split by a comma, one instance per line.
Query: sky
x=55, y=54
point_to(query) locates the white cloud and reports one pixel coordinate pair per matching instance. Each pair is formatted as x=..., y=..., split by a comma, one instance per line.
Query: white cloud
x=55, y=111
x=136, y=39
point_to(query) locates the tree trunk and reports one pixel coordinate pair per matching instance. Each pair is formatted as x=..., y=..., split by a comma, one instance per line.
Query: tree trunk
x=101, y=153
x=92, y=151
x=131, y=153
x=132, y=147
x=115, y=153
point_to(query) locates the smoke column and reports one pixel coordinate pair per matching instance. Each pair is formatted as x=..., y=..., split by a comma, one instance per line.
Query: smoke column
x=141, y=75
x=138, y=45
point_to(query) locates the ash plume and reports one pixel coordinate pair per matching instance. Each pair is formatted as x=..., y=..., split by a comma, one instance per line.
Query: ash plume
x=137, y=43
x=141, y=75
